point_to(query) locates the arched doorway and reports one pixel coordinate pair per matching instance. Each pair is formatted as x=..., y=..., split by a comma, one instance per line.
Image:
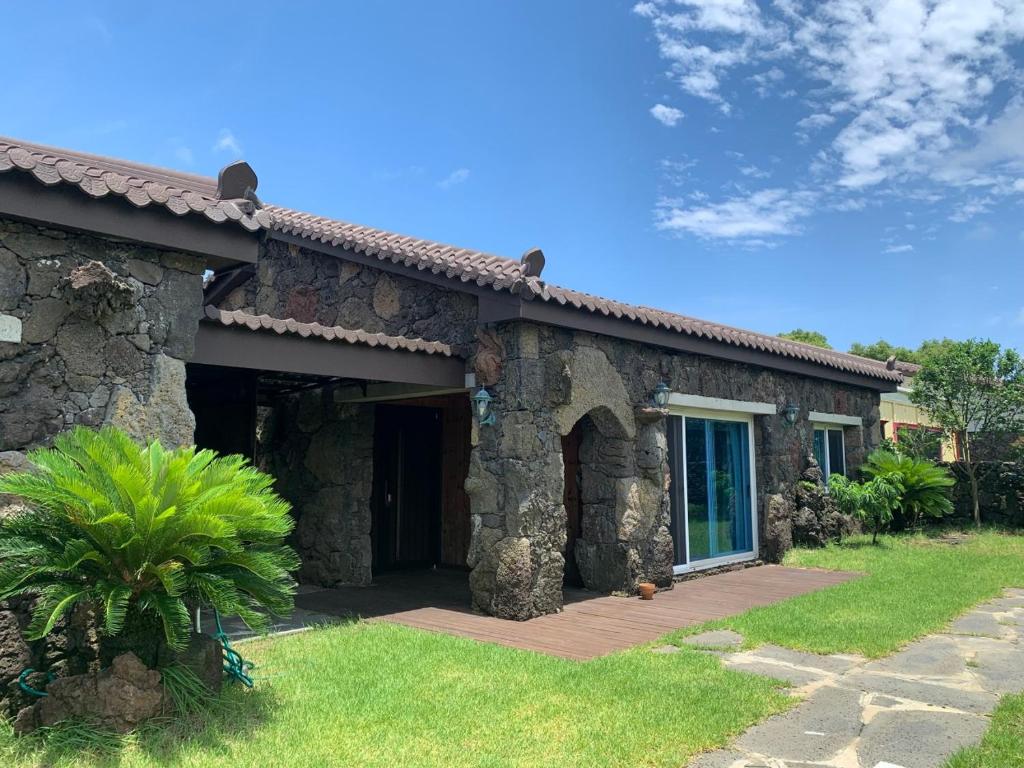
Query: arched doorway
x=596, y=456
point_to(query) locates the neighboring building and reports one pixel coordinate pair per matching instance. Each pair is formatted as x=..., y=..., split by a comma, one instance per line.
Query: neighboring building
x=899, y=416
x=346, y=360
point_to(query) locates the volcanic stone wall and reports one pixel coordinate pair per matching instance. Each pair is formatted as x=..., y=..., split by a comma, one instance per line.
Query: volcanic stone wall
x=308, y=286
x=106, y=328
x=545, y=380
x=321, y=453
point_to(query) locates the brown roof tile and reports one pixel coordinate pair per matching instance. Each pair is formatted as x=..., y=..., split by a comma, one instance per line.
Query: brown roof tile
x=184, y=193
x=325, y=332
x=141, y=185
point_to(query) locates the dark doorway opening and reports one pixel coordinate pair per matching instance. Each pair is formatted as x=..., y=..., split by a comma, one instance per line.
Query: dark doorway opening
x=573, y=499
x=406, y=501
x=223, y=401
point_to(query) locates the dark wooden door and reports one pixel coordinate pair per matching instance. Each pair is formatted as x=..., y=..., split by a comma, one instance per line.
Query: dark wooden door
x=406, y=487
x=573, y=502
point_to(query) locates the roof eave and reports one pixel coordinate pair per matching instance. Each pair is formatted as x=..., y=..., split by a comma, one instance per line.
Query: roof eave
x=24, y=197
x=569, y=317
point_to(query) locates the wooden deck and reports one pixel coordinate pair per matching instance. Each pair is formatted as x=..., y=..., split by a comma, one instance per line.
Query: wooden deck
x=591, y=625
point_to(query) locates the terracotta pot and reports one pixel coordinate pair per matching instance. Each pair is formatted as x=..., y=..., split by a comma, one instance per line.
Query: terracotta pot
x=646, y=591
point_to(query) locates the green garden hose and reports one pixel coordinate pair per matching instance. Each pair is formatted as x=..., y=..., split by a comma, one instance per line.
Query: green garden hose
x=235, y=667
x=23, y=682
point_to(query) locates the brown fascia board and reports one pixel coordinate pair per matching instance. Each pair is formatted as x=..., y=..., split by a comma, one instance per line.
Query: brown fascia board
x=240, y=347
x=501, y=306
x=23, y=197
x=569, y=317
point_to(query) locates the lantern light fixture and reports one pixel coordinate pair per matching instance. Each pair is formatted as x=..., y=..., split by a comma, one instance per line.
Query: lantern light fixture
x=661, y=393
x=482, y=407
x=790, y=413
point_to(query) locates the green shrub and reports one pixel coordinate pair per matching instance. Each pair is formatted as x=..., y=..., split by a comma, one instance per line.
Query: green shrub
x=142, y=534
x=924, y=486
x=872, y=501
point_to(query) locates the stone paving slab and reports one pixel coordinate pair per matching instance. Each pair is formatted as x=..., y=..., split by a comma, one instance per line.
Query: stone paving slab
x=798, y=677
x=826, y=722
x=718, y=638
x=917, y=739
x=947, y=696
x=934, y=656
x=978, y=623
x=911, y=710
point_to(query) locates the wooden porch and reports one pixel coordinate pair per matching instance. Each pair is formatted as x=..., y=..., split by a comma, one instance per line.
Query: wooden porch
x=590, y=626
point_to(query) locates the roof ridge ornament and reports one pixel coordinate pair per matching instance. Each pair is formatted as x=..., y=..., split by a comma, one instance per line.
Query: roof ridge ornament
x=532, y=262
x=238, y=181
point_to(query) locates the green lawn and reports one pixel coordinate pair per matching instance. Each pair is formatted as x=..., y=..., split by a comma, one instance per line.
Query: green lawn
x=380, y=695
x=912, y=586
x=1003, y=745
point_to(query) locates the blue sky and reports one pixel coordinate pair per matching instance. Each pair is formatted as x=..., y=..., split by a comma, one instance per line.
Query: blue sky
x=856, y=167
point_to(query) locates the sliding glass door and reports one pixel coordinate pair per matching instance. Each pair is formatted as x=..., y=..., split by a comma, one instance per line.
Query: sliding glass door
x=712, y=509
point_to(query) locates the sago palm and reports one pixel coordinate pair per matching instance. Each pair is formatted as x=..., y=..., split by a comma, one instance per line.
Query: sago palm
x=143, y=533
x=925, y=487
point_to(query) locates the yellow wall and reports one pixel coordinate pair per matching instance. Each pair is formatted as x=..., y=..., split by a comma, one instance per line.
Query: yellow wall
x=896, y=408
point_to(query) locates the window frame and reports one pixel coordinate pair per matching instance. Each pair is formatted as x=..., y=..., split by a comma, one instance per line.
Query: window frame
x=755, y=517
x=827, y=427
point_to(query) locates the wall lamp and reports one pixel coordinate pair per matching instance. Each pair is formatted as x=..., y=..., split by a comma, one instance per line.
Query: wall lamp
x=482, y=406
x=660, y=396
x=790, y=413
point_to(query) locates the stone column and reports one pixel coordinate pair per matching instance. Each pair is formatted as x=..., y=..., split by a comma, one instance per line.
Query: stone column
x=515, y=486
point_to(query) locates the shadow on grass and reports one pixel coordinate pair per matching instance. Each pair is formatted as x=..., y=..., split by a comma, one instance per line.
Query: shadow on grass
x=236, y=710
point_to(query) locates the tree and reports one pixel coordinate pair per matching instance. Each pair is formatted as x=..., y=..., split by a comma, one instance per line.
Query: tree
x=872, y=502
x=974, y=390
x=923, y=486
x=815, y=338
x=883, y=350
x=142, y=534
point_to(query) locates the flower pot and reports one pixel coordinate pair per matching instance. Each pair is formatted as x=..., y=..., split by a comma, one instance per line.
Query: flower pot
x=647, y=591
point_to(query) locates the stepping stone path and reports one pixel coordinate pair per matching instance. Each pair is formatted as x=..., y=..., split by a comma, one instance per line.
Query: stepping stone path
x=911, y=710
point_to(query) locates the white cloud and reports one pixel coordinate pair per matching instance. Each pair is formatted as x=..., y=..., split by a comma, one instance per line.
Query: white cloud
x=456, y=177
x=685, y=29
x=754, y=172
x=816, y=121
x=226, y=142
x=764, y=214
x=899, y=249
x=909, y=85
x=666, y=115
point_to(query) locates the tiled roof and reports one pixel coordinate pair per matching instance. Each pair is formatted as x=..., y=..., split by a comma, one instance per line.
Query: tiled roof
x=141, y=185
x=457, y=263
x=327, y=333
x=184, y=193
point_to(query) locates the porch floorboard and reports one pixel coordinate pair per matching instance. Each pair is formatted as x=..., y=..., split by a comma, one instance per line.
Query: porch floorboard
x=590, y=625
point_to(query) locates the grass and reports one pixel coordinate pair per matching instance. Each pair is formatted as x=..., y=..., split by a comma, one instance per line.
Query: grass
x=1003, y=744
x=384, y=695
x=912, y=586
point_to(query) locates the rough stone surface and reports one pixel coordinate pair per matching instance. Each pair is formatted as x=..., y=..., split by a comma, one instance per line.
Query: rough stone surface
x=1001, y=493
x=99, y=317
x=322, y=457
x=293, y=281
x=118, y=698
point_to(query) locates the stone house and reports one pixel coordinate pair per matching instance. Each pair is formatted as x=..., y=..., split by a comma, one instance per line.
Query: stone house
x=349, y=362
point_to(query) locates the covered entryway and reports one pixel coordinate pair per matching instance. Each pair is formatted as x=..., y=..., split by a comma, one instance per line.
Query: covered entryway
x=374, y=467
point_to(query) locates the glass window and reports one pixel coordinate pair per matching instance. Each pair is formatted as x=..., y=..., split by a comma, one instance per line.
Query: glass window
x=714, y=518
x=830, y=451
